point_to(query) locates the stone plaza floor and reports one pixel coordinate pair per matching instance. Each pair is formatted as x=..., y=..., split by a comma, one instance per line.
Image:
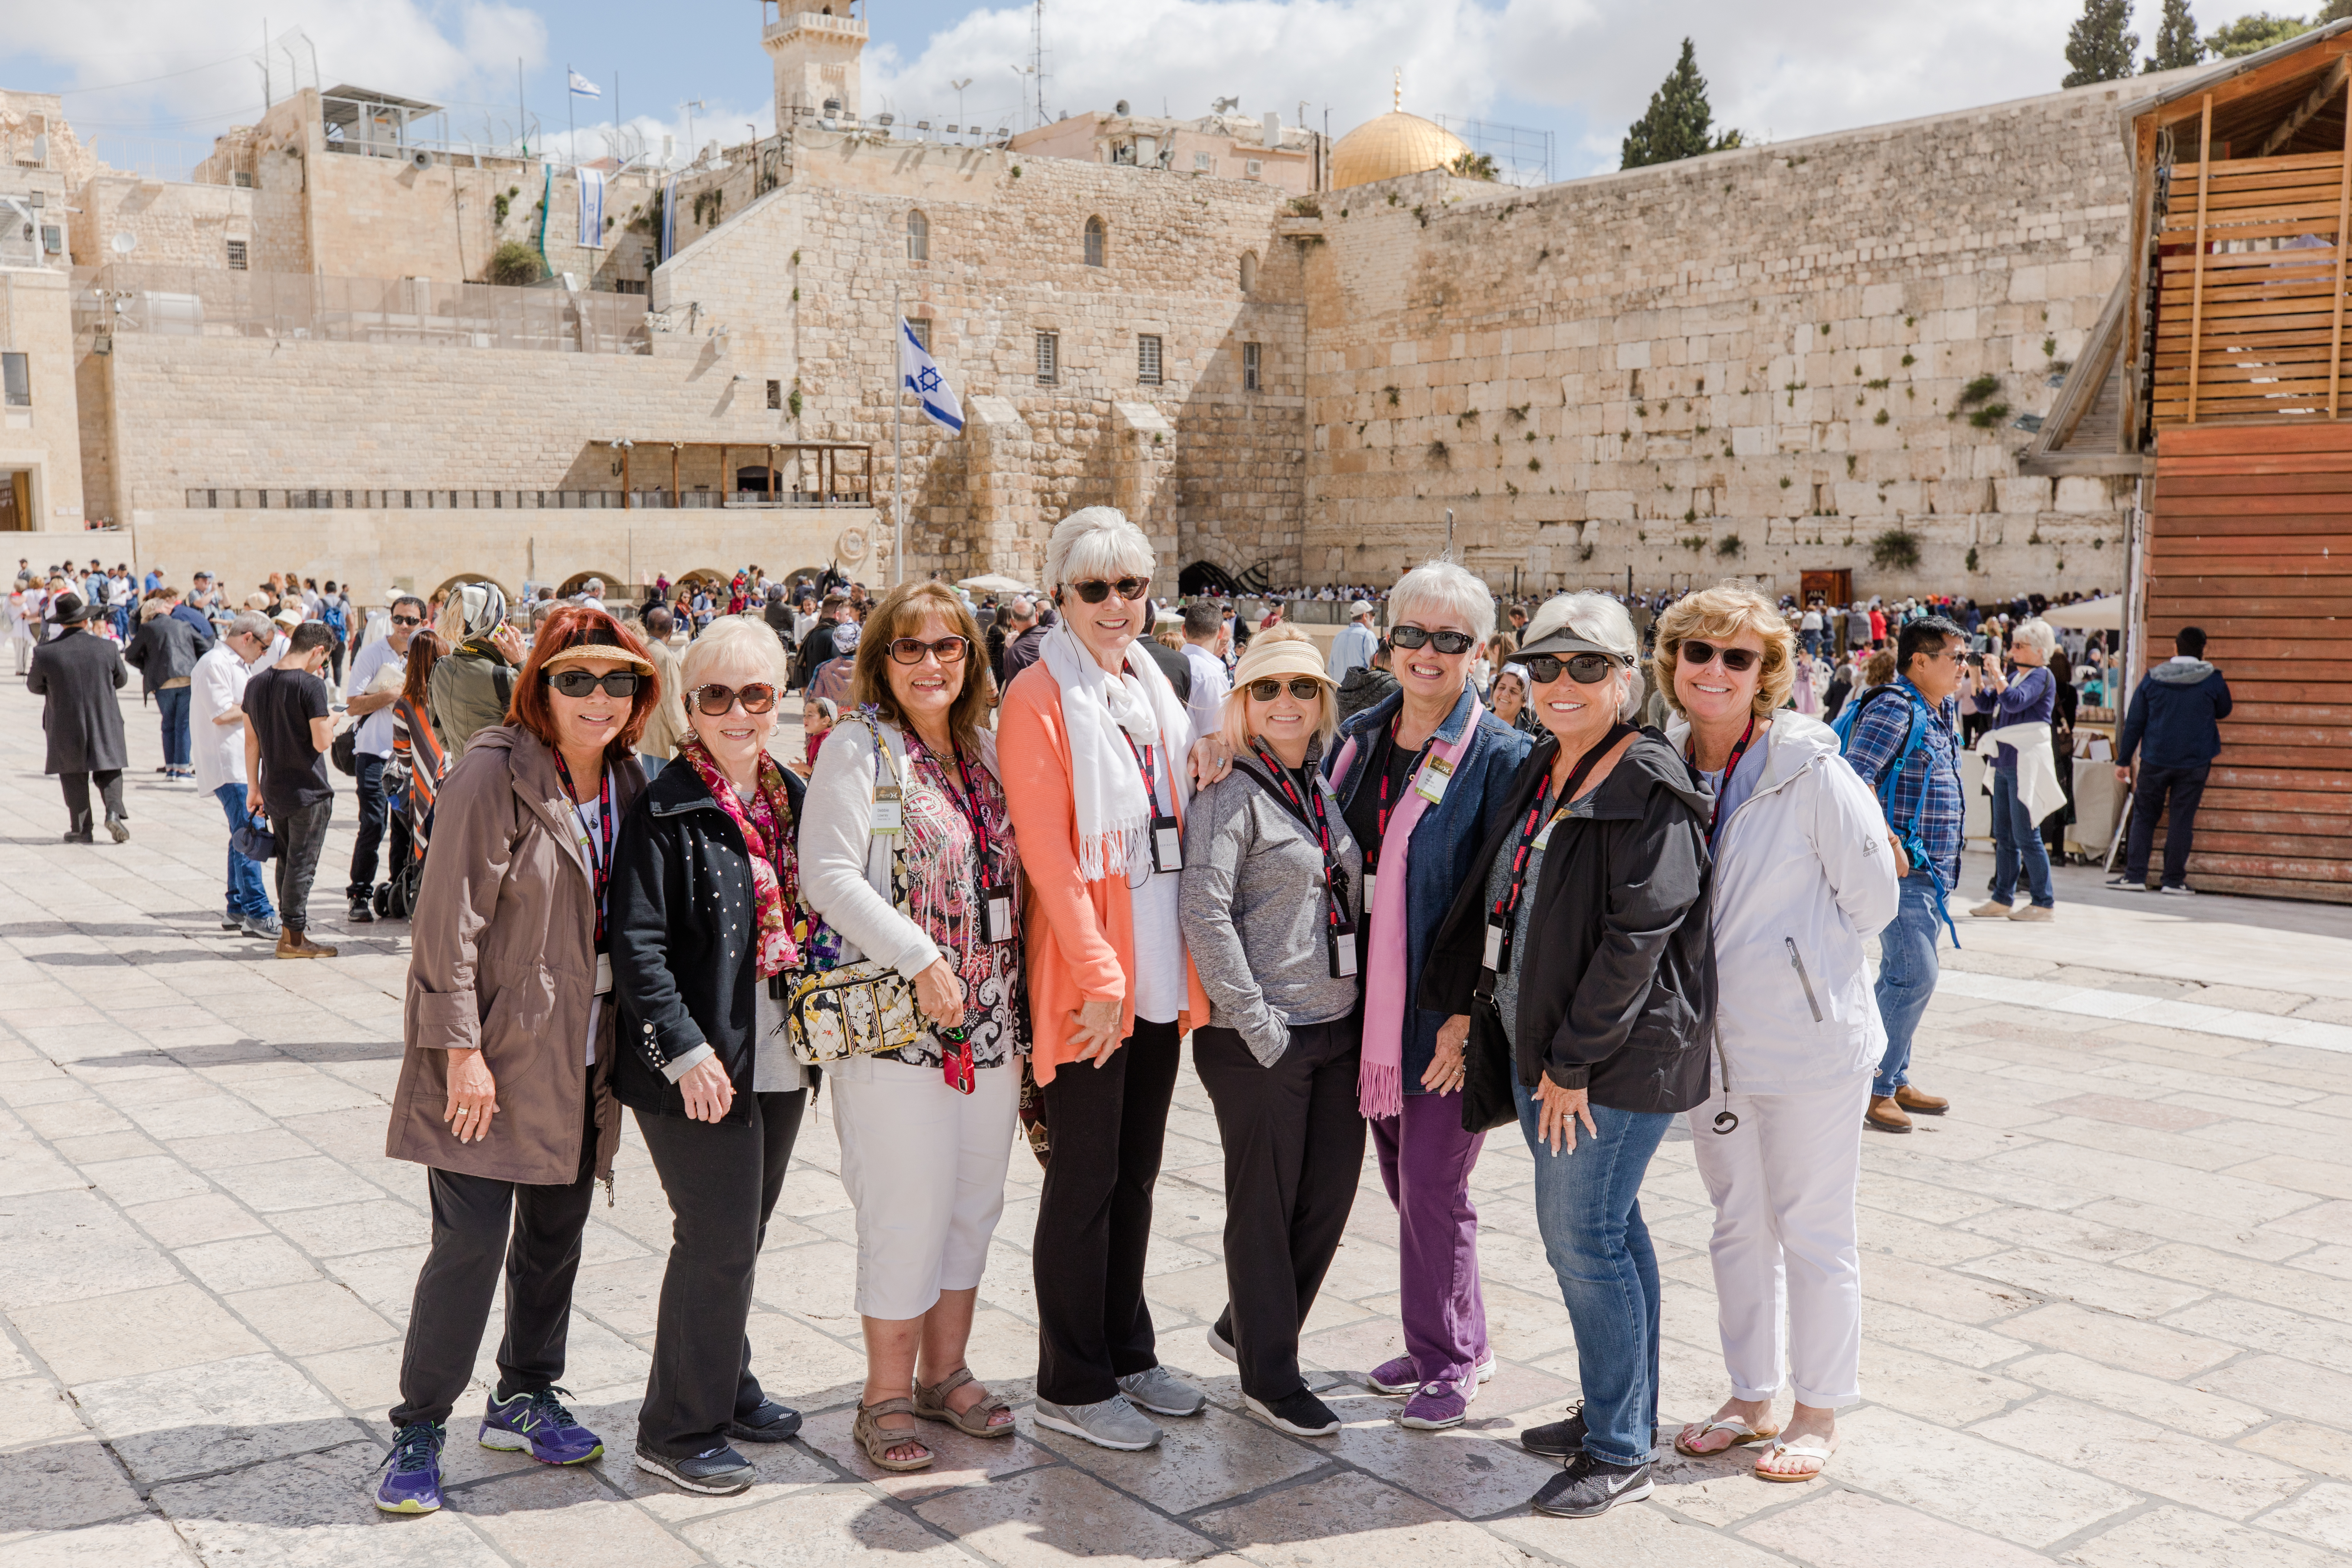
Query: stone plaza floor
x=2109, y=1308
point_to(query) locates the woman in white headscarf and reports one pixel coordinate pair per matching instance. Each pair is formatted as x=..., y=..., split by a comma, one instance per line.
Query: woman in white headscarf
x=473, y=684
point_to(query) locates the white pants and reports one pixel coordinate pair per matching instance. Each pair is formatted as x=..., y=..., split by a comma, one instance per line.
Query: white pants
x=925, y=1168
x=1788, y=1271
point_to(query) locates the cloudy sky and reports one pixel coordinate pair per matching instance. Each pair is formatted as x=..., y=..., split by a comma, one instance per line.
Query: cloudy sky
x=152, y=80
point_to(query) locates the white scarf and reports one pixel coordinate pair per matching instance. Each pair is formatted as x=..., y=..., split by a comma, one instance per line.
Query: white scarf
x=1102, y=715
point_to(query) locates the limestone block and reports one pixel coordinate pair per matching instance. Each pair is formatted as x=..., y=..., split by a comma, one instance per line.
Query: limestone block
x=2021, y=495
x=2084, y=494
x=1633, y=355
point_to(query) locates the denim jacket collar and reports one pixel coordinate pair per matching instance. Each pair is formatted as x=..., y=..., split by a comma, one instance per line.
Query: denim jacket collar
x=1386, y=707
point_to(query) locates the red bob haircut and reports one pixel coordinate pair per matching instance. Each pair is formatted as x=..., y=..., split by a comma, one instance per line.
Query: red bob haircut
x=577, y=626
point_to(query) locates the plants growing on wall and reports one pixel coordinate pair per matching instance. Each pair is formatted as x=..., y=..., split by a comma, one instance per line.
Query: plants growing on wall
x=516, y=264
x=1896, y=550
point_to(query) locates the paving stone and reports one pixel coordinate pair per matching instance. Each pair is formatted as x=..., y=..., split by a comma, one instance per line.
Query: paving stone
x=1047, y=1516
x=311, y=1509
x=33, y=1414
x=248, y=1263
x=2160, y=1353
x=819, y=1527
x=62, y=1485
x=2107, y=1443
x=2319, y=1449
x=2181, y=1537
x=120, y=1544
x=2320, y=1393
x=309, y=1318
x=214, y=1417
x=71, y=1246
x=1350, y=1520
x=133, y=1333
x=1965, y=1478
x=1203, y=1461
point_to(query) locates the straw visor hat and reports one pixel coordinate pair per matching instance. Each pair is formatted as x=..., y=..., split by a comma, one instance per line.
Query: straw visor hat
x=1280, y=650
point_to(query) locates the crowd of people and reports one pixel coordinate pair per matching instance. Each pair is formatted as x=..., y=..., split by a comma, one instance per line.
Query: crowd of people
x=1576, y=867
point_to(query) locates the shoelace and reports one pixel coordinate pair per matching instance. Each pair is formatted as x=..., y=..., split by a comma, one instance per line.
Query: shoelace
x=413, y=1448
x=545, y=1407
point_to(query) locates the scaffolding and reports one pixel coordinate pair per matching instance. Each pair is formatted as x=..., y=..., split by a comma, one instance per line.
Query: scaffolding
x=1522, y=155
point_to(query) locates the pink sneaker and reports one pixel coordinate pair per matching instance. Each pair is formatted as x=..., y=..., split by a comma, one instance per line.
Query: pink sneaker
x=1437, y=1405
x=1398, y=1375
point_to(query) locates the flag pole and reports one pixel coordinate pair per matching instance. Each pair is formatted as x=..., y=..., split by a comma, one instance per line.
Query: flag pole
x=571, y=130
x=897, y=451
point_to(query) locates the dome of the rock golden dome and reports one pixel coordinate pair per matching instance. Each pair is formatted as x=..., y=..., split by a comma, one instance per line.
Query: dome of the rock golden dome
x=1396, y=143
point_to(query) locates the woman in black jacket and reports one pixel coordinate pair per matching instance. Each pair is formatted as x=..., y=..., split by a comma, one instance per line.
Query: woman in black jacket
x=1587, y=934
x=708, y=927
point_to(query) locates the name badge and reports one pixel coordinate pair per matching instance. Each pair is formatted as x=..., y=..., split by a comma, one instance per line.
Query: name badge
x=888, y=810
x=1343, y=955
x=1493, y=959
x=998, y=903
x=1435, y=774
x=1337, y=894
x=604, y=975
x=1370, y=879
x=1167, y=845
x=1543, y=839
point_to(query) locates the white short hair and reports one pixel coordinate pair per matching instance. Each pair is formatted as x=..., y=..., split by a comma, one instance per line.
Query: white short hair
x=733, y=643
x=1443, y=586
x=1600, y=620
x=2035, y=633
x=1097, y=542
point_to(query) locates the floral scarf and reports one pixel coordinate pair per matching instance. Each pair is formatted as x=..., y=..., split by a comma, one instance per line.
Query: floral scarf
x=764, y=820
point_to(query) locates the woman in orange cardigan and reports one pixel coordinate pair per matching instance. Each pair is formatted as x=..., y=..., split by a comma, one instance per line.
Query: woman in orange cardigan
x=1082, y=735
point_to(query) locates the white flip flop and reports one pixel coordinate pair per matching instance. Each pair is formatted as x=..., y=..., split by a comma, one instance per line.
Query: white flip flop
x=1741, y=1434
x=1802, y=1448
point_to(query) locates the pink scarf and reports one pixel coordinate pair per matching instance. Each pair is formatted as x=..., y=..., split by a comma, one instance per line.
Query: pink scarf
x=766, y=820
x=1380, y=1076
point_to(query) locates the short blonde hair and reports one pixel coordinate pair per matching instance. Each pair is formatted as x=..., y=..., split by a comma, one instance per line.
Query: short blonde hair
x=733, y=643
x=1725, y=611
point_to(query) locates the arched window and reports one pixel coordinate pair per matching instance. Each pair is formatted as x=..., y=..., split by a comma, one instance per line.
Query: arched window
x=919, y=238
x=1096, y=234
x=1249, y=272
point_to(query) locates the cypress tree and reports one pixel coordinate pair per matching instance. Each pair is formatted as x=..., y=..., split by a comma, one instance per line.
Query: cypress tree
x=2097, y=45
x=1678, y=121
x=2177, y=43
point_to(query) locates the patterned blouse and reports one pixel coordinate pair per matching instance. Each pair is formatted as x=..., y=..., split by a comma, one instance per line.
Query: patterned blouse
x=945, y=900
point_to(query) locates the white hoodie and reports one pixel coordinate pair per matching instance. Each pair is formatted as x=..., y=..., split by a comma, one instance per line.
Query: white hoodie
x=1804, y=873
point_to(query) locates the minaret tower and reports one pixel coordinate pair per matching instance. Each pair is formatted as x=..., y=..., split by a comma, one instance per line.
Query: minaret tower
x=815, y=45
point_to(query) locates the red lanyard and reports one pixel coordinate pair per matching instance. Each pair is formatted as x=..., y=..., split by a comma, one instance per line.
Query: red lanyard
x=600, y=854
x=956, y=1063
x=1312, y=811
x=1150, y=775
x=1380, y=830
x=1506, y=906
x=1729, y=768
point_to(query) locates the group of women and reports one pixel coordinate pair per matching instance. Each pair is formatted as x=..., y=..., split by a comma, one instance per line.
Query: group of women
x=1416, y=927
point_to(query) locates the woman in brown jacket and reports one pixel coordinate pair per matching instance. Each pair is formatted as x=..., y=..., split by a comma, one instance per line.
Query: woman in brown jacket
x=509, y=1035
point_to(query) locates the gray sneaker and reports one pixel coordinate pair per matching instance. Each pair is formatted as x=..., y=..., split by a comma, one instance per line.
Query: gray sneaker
x=1161, y=1395
x=262, y=926
x=1113, y=1423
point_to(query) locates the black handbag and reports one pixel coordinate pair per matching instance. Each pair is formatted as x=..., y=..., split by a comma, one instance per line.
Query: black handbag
x=1487, y=1069
x=345, y=749
x=253, y=840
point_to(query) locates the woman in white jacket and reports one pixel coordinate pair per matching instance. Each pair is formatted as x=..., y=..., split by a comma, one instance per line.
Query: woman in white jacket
x=1804, y=873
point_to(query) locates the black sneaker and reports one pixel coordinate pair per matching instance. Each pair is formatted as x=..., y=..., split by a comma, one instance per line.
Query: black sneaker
x=1221, y=1336
x=717, y=1472
x=1301, y=1414
x=770, y=1423
x=1556, y=1439
x=1589, y=1487
x=362, y=912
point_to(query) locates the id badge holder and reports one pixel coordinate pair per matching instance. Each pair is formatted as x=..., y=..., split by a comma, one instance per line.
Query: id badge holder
x=998, y=902
x=888, y=809
x=1342, y=948
x=1167, y=845
x=1337, y=894
x=1435, y=774
x=604, y=975
x=1493, y=955
x=1543, y=839
x=1371, y=878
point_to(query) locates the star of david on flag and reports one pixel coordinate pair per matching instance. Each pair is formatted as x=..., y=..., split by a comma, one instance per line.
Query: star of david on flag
x=581, y=86
x=919, y=373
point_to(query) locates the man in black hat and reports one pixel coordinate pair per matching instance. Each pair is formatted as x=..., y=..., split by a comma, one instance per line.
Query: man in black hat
x=80, y=673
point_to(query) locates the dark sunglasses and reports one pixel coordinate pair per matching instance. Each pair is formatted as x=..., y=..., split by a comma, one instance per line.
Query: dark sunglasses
x=407, y=620
x=715, y=700
x=1446, y=642
x=579, y=683
x=1699, y=655
x=910, y=650
x=1584, y=669
x=1097, y=591
x=1306, y=688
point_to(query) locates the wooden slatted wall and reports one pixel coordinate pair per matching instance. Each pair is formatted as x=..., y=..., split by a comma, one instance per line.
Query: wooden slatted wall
x=2250, y=536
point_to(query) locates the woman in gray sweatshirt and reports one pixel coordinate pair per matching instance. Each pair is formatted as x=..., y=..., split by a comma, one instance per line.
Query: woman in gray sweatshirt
x=1268, y=902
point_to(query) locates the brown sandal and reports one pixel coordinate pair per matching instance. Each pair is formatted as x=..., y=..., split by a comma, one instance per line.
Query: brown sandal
x=931, y=1404
x=877, y=1440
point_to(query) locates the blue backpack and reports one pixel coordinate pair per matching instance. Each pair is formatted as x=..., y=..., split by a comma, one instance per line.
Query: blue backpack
x=1906, y=833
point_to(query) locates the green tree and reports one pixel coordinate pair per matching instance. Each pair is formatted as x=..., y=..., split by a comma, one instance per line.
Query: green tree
x=2253, y=33
x=1474, y=165
x=2177, y=43
x=2097, y=45
x=1678, y=121
x=2333, y=10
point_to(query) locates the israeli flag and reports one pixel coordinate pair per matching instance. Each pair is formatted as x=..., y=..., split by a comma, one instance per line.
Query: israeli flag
x=920, y=375
x=581, y=86
x=592, y=206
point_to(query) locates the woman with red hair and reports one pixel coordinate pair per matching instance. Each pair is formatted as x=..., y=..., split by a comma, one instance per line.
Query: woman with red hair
x=508, y=1028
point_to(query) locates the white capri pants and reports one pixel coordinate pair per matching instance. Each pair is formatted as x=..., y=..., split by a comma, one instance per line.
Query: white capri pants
x=925, y=1169
x=1787, y=1268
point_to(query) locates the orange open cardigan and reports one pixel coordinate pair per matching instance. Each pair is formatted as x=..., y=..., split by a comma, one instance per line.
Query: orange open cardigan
x=1081, y=935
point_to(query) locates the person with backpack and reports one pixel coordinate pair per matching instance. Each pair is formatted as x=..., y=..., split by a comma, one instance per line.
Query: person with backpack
x=1903, y=739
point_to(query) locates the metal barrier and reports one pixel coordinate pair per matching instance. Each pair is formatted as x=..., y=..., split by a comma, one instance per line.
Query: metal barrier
x=328, y=498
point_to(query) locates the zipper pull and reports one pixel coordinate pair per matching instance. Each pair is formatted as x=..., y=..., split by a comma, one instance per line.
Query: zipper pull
x=608, y=1191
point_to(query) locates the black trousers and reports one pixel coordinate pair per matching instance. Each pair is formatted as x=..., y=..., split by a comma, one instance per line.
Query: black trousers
x=77, y=793
x=375, y=813
x=470, y=1243
x=1094, y=1216
x=722, y=1179
x=1294, y=1148
x=301, y=835
x=2184, y=787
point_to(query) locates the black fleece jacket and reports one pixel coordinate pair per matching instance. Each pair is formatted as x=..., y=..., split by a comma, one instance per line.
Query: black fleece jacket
x=1616, y=960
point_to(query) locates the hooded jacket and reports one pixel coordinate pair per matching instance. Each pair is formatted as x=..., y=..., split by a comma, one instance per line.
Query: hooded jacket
x=2175, y=721
x=1616, y=958
x=1804, y=877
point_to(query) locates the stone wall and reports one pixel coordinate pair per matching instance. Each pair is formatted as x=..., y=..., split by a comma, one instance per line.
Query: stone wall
x=43, y=440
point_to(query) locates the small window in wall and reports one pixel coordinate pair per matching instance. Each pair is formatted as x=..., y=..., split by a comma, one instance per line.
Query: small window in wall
x=236, y=256
x=921, y=327
x=919, y=238
x=16, y=381
x=776, y=393
x=1202, y=163
x=1049, y=358
x=1095, y=234
x=53, y=239
x=242, y=179
x=1250, y=362
x=1147, y=358
x=1249, y=272
x=1256, y=167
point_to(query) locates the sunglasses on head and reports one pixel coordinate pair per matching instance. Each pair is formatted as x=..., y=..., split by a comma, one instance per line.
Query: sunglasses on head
x=579, y=683
x=1699, y=655
x=910, y=650
x=1584, y=669
x=1306, y=688
x=715, y=700
x=1445, y=642
x=1096, y=591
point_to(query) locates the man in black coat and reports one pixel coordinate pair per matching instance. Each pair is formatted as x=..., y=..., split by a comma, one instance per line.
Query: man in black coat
x=79, y=672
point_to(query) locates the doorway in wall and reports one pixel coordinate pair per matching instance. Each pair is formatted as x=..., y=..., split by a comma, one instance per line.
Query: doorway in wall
x=15, y=500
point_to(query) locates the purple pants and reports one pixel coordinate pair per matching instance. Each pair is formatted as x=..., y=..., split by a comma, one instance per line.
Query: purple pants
x=1425, y=1160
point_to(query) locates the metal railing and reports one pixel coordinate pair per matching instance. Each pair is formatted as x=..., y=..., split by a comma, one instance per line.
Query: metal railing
x=330, y=497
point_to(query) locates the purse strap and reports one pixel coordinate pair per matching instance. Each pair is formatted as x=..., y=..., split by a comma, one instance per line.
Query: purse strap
x=884, y=757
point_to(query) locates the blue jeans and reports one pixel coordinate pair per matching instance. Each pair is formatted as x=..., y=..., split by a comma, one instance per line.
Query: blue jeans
x=1589, y=1209
x=2016, y=836
x=1906, y=976
x=172, y=703
x=248, y=894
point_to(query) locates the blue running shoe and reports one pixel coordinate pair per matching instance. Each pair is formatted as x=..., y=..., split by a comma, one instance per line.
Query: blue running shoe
x=537, y=1424
x=414, y=1483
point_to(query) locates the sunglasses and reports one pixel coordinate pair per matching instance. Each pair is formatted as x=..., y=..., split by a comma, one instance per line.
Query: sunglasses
x=407, y=620
x=1097, y=591
x=579, y=683
x=910, y=650
x=1445, y=642
x=1584, y=669
x=715, y=700
x=1699, y=655
x=1306, y=688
